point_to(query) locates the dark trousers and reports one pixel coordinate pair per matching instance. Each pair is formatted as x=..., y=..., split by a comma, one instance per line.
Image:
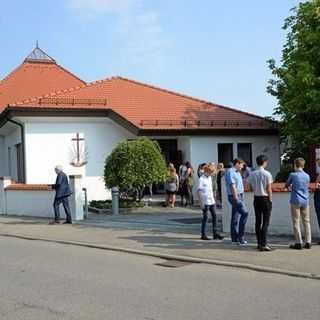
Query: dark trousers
x=317, y=205
x=56, y=205
x=205, y=211
x=262, y=208
x=237, y=226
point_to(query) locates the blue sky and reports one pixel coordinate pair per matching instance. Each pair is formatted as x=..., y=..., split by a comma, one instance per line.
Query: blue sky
x=211, y=49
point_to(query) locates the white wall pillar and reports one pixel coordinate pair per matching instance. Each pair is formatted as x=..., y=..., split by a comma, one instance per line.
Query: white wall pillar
x=4, y=182
x=76, y=199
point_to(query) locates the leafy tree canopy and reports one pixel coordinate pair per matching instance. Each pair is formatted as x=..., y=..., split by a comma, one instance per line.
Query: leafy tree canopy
x=134, y=165
x=296, y=82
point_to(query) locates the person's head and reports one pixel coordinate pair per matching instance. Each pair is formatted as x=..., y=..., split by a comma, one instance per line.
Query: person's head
x=208, y=170
x=299, y=163
x=188, y=165
x=58, y=169
x=213, y=166
x=262, y=161
x=220, y=166
x=237, y=163
x=171, y=166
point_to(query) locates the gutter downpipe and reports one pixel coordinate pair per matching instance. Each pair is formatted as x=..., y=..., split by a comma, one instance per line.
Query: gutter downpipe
x=23, y=147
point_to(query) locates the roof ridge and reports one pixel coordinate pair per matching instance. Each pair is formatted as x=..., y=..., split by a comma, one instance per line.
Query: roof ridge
x=67, y=90
x=189, y=97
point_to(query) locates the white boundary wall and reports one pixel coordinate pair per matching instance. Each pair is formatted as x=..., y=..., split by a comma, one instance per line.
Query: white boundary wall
x=280, y=224
x=38, y=202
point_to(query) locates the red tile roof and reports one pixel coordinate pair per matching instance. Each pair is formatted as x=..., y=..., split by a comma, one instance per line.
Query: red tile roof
x=35, y=78
x=146, y=106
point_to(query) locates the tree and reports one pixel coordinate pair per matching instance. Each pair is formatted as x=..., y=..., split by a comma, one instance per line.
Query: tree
x=135, y=164
x=297, y=81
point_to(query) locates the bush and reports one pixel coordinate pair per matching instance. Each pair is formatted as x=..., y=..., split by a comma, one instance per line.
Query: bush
x=135, y=164
x=123, y=204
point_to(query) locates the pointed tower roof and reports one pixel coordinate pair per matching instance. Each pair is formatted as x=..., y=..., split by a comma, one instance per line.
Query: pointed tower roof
x=38, y=55
x=37, y=75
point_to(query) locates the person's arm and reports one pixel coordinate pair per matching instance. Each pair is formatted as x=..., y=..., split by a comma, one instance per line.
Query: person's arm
x=318, y=181
x=200, y=193
x=58, y=182
x=289, y=182
x=234, y=192
x=269, y=188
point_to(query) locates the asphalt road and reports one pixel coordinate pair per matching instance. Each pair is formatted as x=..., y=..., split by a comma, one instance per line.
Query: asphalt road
x=49, y=281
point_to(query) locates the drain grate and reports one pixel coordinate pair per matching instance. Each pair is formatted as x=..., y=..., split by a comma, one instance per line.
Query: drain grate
x=173, y=263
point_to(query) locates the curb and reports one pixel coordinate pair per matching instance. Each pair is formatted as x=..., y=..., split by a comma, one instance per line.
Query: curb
x=238, y=265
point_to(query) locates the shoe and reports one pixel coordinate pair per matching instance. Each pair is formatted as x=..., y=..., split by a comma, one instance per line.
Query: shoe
x=296, y=246
x=54, y=222
x=218, y=237
x=266, y=249
x=67, y=222
x=242, y=242
x=205, y=238
x=307, y=245
x=319, y=243
x=259, y=247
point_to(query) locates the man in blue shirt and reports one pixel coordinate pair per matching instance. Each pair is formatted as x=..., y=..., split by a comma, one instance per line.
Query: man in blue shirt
x=235, y=192
x=298, y=182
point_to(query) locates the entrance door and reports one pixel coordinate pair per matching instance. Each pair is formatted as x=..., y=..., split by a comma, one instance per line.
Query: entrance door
x=225, y=153
x=170, y=151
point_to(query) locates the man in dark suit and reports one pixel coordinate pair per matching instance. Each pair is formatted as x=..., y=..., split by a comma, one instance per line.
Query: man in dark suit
x=63, y=193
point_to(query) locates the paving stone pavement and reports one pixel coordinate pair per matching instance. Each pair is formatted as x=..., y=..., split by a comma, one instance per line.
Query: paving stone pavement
x=173, y=231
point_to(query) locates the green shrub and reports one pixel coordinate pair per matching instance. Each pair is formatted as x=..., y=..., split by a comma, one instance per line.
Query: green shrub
x=123, y=204
x=135, y=164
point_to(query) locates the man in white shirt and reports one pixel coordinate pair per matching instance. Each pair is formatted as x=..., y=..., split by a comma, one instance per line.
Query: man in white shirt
x=207, y=203
x=260, y=182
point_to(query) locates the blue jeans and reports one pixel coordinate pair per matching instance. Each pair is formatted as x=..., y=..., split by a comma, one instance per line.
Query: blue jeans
x=317, y=205
x=205, y=219
x=237, y=226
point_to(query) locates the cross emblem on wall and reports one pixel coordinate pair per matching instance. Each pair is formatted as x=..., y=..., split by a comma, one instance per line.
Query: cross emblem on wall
x=79, y=153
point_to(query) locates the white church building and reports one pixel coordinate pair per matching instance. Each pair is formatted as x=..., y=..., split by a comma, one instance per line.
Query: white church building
x=49, y=116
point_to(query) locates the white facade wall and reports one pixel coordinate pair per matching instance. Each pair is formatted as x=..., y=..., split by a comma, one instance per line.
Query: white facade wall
x=204, y=149
x=10, y=158
x=2, y=157
x=49, y=141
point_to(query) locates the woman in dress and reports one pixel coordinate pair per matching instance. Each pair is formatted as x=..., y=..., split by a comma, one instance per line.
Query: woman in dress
x=171, y=186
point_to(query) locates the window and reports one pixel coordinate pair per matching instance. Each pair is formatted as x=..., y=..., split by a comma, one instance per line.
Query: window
x=245, y=153
x=225, y=153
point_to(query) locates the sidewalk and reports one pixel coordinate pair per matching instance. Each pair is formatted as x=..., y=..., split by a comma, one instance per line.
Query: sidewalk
x=172, y=233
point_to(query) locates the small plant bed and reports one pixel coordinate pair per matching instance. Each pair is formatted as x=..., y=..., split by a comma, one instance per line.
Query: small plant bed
x=106, y=205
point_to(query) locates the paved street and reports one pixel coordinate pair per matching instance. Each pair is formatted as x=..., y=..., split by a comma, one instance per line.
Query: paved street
x=162, y=234
x=50, y=281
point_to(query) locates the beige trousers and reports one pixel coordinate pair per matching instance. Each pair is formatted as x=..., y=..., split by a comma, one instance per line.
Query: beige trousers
x=304, y=213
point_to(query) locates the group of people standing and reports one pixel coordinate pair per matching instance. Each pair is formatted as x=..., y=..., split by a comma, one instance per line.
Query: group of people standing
x=182, y=183
x=260, y=182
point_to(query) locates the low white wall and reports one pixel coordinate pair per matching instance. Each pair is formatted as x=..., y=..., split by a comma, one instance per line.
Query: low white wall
x=280, y=224
x=30, y=203
x=37, y=201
